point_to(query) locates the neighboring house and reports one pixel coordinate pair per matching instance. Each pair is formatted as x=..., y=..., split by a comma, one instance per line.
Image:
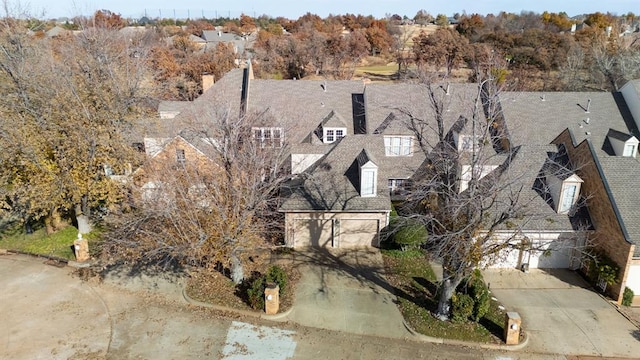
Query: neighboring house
x=599, y=133
x=351, y=154
x=172, y=156
x=240, y=43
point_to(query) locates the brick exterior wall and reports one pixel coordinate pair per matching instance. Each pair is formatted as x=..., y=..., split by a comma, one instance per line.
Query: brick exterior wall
x=608, y=236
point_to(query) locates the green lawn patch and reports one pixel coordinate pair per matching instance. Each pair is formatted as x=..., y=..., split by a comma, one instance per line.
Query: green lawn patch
x=411, y=274
x=378, y=69
x=57, y=244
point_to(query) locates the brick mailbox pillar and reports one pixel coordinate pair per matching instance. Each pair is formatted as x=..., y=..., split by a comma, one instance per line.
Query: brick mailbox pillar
x=271, y=299
x=81, y=248
x=512, y=325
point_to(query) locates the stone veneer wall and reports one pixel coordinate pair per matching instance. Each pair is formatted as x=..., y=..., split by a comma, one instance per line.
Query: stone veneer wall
x=608, y=236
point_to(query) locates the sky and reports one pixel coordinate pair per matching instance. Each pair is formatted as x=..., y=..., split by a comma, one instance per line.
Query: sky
x=294, y=9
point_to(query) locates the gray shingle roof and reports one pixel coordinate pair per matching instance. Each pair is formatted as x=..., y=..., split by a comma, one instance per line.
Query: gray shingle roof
x=335, y=176
x=622, y=174
x=533, y=121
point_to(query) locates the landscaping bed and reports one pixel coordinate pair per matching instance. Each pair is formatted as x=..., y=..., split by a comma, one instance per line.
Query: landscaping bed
x=213, y=287
x=415, y=284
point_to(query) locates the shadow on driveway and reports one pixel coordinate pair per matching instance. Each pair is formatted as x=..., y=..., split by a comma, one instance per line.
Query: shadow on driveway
x=345, y=290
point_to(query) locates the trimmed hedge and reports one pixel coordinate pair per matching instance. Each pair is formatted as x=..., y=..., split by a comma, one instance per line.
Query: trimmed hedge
x=478, y=302
x=461, y=307
x=408, y=233
x=277, y=275
x=627, y=297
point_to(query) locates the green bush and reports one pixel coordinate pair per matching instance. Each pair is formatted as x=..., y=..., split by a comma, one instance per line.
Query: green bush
x=255, y=292
x=602, y=267
x=479, y=292
x=461, y=307
x=627, y=297
x=408, y=233
x=277, y=275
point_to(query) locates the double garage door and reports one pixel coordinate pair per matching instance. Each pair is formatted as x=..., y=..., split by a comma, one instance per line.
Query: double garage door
x=341, y=233
x=552, y=258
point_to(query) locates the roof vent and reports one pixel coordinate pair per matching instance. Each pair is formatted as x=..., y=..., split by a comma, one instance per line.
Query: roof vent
x=586, y=121
x=543, y=97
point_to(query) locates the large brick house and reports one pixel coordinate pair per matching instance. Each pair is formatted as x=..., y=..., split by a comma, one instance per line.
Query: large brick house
x=351, y=153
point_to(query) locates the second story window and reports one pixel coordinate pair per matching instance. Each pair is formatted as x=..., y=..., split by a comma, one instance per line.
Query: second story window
x=181, y=157
x=269, y=136
x=333, y=134
x=398, y=145
x=397, y=186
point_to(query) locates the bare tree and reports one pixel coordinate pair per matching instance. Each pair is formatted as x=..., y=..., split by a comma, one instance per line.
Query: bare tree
x=470, y=194
x=209, y=211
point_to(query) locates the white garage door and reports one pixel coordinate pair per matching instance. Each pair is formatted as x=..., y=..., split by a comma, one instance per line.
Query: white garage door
x=358, y=232
x=553, y=258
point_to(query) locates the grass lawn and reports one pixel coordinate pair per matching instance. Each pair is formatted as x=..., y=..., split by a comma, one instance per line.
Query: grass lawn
x=415, y=283
x=57, y=244
x=378, y=70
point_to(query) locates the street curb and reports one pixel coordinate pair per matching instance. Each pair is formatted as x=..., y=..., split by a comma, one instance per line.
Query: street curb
x=281, y=317
x=434, y=340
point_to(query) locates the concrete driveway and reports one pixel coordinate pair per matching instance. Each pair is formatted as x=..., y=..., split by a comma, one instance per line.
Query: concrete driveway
x=345, y=291
x=563, y=315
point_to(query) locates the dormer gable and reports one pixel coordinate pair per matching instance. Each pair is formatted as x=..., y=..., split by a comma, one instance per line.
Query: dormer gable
x=332, y=128
x=623, y=144
x=564, y=190
x=368, y=174
x=463, y=137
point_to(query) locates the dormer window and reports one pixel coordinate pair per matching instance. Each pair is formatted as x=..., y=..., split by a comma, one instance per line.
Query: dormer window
x=623, y=144
x=569, y=197
x=465, y=142
x=468, y=173
x=629, y=150
x=368, y=175
x=398, y=145
x=565, y=191
x=332, y=134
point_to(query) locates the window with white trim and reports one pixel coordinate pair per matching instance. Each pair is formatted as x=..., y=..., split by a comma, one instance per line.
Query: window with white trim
x=268, y=136
x=398, y=145
x=629, y=150
x=368, y=183
x=397, y=185
x=332, y=134
x=569, y=197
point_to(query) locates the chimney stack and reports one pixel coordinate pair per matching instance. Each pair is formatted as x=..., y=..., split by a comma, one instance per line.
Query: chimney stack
x=588, y=105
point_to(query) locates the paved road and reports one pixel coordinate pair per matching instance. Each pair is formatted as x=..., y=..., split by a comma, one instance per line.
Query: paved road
x=46, y=313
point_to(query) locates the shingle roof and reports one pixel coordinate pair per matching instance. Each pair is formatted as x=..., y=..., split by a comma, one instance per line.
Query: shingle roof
x=332, y=182
x=622, y=174
x=619, y=135
x=536, y=118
